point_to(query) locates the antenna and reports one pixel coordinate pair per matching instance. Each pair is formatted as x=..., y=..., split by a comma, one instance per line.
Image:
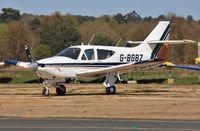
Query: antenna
x=91, y=39
x=118, y=42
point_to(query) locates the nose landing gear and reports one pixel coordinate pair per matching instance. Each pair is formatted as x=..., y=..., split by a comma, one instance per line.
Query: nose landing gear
x=60, y=88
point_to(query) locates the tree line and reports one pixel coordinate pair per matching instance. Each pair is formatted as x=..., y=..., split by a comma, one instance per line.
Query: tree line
x=49, y=34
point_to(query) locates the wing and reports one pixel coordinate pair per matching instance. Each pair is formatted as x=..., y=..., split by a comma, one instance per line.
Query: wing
x=124, y=68
x=188, y=67
x=171, y=65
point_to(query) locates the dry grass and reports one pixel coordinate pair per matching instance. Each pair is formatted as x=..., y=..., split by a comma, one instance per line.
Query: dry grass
x=152, y=101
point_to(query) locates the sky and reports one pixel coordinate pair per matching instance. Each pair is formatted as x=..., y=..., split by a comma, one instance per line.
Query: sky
x=97, y=8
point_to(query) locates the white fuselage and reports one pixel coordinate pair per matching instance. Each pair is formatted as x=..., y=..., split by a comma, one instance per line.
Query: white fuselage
x=62, y=67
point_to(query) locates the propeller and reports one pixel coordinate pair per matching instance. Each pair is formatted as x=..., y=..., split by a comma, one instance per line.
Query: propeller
x=33, y=64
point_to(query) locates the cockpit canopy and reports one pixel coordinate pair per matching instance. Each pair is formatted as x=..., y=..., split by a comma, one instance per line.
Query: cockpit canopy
x=72, y=53
x=87, y=54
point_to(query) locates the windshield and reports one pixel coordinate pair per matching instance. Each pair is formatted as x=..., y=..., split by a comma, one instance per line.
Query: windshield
x=72, y=53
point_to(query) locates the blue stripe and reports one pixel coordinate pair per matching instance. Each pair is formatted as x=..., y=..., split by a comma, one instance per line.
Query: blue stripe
x=163, y=37
x=81, y=64
x=86, y=64
x=159, y=45
x=165, y=33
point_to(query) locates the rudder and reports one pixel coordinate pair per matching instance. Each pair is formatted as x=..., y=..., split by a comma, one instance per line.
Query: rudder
x=159, y=33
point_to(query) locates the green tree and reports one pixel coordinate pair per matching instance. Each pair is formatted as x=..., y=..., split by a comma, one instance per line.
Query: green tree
x=19, y=35
x=120, y=18
x=82, y=19
x=3, y=41
x=148, y=19
x=58, y=34
x=103, y=40
x=190, y=18
x=133, y=17
x=9, y=14
x=41, y=51
x=34, y=24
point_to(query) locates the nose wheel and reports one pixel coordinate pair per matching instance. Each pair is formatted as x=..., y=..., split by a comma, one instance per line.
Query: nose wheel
x=60, y=90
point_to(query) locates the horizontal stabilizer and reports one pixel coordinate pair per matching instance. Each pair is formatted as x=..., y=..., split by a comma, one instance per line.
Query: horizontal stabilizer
x=163, y=41
x=134, y=42
x=170, y=41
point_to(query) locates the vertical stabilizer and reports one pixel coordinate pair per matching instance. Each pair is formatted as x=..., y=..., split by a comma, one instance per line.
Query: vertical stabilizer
x=159, y=33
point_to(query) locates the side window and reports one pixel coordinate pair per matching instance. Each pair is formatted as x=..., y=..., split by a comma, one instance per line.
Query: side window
x=88, y=55
x=104, y=54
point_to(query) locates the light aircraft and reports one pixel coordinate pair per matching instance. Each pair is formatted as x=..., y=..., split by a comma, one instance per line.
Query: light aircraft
x=99, y=61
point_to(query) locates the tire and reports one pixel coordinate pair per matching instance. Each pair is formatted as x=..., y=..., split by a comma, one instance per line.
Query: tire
x=60, y=90
x=45, y=92
x=110, y=90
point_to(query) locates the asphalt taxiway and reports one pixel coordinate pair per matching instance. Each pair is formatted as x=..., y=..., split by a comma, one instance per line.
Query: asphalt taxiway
x=76, y=124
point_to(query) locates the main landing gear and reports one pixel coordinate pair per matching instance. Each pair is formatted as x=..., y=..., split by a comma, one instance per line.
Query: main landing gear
x=109, y=84
x=60, y=88
x=110, y=90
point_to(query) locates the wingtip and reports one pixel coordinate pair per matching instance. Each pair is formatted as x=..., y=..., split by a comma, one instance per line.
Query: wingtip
x=11, y=62
x=167, y=64
x=197, y=60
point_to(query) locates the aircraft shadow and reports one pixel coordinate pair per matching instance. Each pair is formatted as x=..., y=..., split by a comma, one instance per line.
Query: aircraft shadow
x=121, y=94
x=5, y=79
x=32, y=81
x=148, y=81
x=135, y=93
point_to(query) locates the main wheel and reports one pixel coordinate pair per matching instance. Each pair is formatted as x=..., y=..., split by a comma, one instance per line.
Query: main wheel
x=45, y=92
x=110, y=90
x=60, y=90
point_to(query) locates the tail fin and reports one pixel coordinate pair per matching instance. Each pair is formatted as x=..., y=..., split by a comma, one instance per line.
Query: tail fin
x=160, y=32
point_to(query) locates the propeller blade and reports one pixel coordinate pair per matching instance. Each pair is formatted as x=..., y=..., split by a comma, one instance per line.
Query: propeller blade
x=28, y=54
